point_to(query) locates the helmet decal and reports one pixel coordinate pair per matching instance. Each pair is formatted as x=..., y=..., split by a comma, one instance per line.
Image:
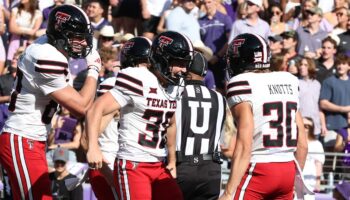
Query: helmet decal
x=164, y=41
x=128, y=45
x=237, y=43
x=61, y=17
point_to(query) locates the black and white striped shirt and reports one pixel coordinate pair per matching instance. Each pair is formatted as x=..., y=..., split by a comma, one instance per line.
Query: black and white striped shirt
x=200, y=117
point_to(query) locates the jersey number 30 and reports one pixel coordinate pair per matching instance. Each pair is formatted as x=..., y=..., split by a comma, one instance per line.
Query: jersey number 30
x=284, y=118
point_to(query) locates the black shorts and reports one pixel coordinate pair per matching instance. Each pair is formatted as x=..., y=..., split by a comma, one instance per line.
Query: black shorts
x=150, y=25
x=202, y=181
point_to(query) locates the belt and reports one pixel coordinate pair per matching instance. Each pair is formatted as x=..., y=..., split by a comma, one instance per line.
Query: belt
x=195, y=159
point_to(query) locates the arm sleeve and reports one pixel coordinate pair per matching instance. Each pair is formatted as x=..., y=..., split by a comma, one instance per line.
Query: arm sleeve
x=326, y=91
x=50, y=76
x=127, y=87
x=238, y=90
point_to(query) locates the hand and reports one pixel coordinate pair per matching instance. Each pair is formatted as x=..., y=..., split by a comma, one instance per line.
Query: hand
x=172, y=170
x=225, y=196
x=93, y=60
x=95, y=158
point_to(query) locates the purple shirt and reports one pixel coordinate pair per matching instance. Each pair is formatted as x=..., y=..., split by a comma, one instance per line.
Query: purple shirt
x=46, y=13
x=344, y=133
x=214, y=31
x=231, y=9
x=209, y=80
x=66, y=132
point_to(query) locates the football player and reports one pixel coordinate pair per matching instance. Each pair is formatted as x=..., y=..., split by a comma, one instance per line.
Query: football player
x=135, y=51
x=145, y=110
x=271, y=141
x=41, y=84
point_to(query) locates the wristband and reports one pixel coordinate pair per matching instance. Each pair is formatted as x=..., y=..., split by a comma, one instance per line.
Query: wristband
x=93, y=73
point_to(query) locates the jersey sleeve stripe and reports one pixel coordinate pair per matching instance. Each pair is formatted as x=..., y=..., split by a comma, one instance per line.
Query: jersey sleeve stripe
x=51, y=71
x=237, y=83
x=129, y=87
x=52, y=63
x=106, y=87
x=239, y=92
x=129, y=78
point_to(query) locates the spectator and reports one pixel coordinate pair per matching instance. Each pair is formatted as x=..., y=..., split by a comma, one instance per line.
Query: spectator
x=241, y=10
x=326, y=63
x=215, y=28
x=342, y=190
x=152, y=10
x=275, y=43
x=24, y=22
x=277, y=26
x=315, y=158
x=6, y=83
x=342, y=17
x=181, y=20
x=96, y=12
x=310, y=36
x=2, y=46
x=309, y=93
x=335, y=99
x=161, y=25
x=344, y=46
x=278, y=62
x=66, y=133
x=127, y=16
x=332, y=17
x=106, y=37
x=290, y=41
x=342, y=144
x=252, y=23
x=45, y=14
x=288, y=5
x=58, y=177
x=303, y=20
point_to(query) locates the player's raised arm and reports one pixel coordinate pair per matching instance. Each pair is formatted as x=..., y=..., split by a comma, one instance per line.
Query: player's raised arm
x=78, y=102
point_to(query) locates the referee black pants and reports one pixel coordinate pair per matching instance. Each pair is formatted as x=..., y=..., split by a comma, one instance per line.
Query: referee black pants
x=201, y=181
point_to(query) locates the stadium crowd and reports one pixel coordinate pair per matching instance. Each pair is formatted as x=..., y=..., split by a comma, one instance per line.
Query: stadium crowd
x=308, y=38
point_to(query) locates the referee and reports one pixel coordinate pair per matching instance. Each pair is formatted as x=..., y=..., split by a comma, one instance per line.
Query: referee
x=199, y=116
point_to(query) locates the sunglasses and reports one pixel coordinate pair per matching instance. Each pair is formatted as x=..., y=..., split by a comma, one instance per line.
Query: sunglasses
x=60, y=162
x=310, y=13
x=276, y=12
x=106, y=38
x=307, y=126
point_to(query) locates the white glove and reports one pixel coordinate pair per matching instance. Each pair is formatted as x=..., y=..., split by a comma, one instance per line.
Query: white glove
x=93, y=62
